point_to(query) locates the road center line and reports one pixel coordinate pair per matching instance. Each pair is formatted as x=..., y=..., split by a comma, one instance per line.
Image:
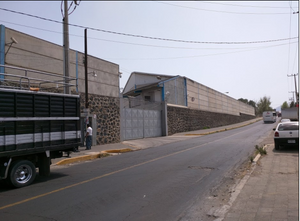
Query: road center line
x=108, y=174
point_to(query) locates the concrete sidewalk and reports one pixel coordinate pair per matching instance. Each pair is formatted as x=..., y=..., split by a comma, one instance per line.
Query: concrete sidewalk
x=133, y=145
x=270, y=191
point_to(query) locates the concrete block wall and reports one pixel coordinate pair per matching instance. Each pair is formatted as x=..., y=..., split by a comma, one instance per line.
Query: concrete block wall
x=244, y=108
x=204, y=98
x=106, y=82
x=182, y=119
x=32, y=53
x=37, y=54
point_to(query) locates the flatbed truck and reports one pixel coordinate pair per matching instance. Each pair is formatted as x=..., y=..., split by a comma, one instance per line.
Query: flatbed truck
x=35, y=126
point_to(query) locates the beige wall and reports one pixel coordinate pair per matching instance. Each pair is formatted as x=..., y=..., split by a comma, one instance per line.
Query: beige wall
x=204, y=98
x=37, y=54
x=176, y=91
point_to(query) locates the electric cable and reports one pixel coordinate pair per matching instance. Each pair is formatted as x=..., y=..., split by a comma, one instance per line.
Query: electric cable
x=148, y=37
x=243, y=13
x=290, y=4
x=122, y=42
x=251, y=6
x=205, y=55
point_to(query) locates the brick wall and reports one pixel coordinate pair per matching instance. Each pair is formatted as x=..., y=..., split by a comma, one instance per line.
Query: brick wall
x=185, y=119
x=107, y=110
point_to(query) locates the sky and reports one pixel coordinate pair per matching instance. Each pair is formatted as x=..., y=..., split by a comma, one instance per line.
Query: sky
x=245, y=48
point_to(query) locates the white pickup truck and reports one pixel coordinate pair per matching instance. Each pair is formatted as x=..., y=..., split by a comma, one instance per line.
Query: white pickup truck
x=286, y=134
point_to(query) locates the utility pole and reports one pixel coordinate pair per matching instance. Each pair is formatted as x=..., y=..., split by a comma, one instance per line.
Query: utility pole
x=86, y=70
x=66, y=47
x=86, y=110
x=293, y=95
x=297, y=98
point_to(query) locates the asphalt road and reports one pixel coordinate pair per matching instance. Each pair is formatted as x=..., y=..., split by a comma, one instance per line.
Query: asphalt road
x=159, y=183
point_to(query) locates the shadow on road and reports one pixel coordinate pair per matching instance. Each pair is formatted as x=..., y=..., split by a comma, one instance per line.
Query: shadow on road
x=39, y=179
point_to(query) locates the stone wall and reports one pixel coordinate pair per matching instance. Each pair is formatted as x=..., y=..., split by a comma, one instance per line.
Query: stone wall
x=186, y=119
x=107, y=110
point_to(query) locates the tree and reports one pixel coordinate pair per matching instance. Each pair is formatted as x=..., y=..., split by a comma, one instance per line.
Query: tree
x=250, y=102
x=284, y=105
x=253, y=104
x=243, y=100
x=263, y=105
x=292, y=104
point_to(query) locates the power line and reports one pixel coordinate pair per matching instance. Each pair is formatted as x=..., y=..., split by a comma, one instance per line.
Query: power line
x=205, y=55
x=290, y=4
x=290, y=28
x=252, y=6
x=247, y=49
x=243, y=13
x=122, y=42
x=148, y=37
x=295, y=59
x=27, y=57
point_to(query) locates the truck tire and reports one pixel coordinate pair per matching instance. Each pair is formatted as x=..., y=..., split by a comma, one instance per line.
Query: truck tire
x=21, y=173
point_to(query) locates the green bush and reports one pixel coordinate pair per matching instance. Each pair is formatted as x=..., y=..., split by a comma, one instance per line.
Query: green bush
x=260, y=150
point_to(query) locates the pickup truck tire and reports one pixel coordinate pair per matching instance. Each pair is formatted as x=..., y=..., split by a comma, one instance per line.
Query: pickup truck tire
x=21, y=173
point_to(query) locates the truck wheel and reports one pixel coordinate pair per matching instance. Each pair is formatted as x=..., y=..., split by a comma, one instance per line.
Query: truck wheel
x=21, y=173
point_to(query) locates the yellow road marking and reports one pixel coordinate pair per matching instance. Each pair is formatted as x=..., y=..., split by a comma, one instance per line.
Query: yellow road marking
x=108, y=174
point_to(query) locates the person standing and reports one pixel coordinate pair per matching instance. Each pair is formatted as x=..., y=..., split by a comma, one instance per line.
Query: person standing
x=88, y=137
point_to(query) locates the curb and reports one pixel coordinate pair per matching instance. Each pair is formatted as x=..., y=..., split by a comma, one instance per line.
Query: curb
x=103, y=153
x=117, y=151
x=219, y=213
x=217, y=131
x=79, y=159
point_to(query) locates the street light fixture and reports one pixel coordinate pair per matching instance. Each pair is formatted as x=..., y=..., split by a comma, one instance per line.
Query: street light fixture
x=14, y=41
x=93, y=73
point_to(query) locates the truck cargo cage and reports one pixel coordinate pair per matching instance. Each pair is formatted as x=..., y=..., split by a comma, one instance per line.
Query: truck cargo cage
x=28, y=79
x=38, y=122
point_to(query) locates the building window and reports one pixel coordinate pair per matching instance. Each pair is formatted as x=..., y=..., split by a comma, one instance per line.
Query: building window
x=147, y=98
